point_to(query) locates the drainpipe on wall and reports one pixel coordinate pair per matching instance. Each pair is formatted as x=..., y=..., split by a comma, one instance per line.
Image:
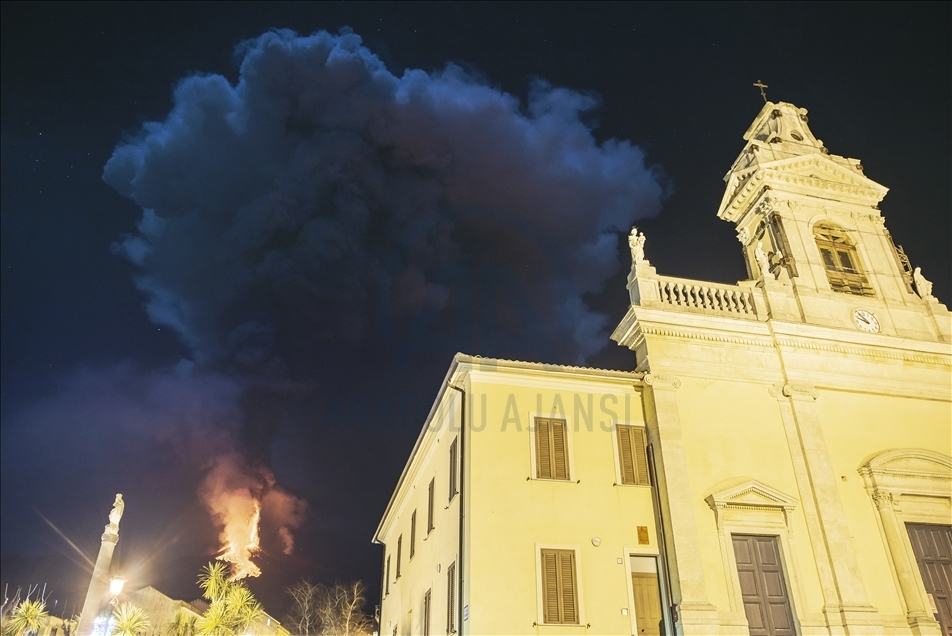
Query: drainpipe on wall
x=662, y=537
x=462, y=490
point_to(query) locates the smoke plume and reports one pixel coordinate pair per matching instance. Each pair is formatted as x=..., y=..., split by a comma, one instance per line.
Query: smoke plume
x=322, y=200
x=322, y=193
x=235, y=494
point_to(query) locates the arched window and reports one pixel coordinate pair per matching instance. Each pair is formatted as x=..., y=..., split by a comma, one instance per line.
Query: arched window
x=841, y=261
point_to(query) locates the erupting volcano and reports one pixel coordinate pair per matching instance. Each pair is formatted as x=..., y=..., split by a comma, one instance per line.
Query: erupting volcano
x=241, y=543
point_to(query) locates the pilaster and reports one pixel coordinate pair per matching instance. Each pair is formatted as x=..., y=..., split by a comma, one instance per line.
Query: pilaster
x=696, y=614
x=846, y=605
x=919, y=618
x=782, y=303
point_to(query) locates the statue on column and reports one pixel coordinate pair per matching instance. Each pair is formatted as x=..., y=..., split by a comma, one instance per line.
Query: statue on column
x=115, y=515
x=636, y=241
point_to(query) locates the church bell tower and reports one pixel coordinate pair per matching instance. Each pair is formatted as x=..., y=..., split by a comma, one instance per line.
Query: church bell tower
x=812, y=234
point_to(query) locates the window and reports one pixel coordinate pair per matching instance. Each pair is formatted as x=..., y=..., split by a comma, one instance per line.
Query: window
x=453, y=461
x=386, y=586
x=413, y=534
x=429, y=508
x=632, y=459
x=451, y=598
x=841, y=261
x=426, y=613
x=399, y=551
x=552, y=458
x=559, y=589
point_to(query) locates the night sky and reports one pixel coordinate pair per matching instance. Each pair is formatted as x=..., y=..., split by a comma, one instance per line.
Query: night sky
x=237, y=256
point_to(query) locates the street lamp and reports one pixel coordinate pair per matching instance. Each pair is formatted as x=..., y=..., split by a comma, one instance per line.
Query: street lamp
x=115, y=588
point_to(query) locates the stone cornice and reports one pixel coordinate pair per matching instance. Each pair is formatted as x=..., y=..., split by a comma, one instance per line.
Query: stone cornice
x=866, y=352
x=710, y=336
x=888, y=351
x=751, y=495
x=746, y=184
x=774, y=177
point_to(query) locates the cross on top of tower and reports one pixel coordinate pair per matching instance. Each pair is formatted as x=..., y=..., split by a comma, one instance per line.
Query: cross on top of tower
x=761, y=86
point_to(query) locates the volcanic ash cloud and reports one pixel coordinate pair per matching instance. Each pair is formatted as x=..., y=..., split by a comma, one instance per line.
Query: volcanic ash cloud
x=291, y=206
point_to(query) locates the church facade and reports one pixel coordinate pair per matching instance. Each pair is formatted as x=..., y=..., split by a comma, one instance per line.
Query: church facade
x=777, y=463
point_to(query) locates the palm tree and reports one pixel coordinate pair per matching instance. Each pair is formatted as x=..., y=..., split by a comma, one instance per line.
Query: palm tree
x=182, y=624
x=232, y=607
x=243, y=608
x=28, y=618
x=214, y=581
x=129, y=620
x=214, y=622
x=70, y=625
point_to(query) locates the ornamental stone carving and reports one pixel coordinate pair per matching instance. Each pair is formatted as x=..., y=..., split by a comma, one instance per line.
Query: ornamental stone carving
x=800, y=390
x=118, y=506
x=636, y=241
x=882, y=499
x=761, y=257
x=655, y=379
x=923, y=286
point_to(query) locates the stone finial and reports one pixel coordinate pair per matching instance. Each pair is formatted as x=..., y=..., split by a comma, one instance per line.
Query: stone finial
x=636, y=241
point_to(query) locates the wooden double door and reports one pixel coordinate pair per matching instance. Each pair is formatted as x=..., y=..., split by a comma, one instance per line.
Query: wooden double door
x=765, y=592
x=932, y=545
x=763, y=586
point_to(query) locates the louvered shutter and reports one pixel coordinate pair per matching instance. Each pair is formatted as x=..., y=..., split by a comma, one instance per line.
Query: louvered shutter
x=559, y=589
x=639, y=446
x=413, y=534
x=429, y=508
x=426, y=613
x=399, y=552
x=626, y=459
x=560, y=456
x=550, y=586
x=543, y=449
x=450, y=598
x=632, y=458
x=567, y=580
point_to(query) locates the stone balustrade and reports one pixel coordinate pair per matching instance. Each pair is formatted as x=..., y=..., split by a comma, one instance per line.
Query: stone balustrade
x=733, y=300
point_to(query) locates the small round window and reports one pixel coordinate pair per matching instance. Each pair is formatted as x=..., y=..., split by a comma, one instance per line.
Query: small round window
x=796, y=135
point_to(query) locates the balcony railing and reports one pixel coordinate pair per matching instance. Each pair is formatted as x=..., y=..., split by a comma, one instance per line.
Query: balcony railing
x=707, y=297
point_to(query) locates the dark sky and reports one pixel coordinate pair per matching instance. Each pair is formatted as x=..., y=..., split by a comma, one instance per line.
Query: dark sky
x=331, y=218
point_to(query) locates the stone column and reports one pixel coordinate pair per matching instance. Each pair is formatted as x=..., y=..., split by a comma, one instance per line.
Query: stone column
x=696, y=614
x=99, y=583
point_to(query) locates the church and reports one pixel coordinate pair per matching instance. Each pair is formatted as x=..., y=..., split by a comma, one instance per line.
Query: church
x=777, y=463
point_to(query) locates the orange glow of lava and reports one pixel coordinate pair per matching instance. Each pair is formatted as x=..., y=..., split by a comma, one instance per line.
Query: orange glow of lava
x=240, y=536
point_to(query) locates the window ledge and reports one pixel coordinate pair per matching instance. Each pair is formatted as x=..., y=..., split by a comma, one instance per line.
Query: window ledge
x=557, y=481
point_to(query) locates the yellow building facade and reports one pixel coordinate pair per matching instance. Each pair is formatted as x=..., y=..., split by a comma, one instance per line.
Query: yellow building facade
x=778, y=462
